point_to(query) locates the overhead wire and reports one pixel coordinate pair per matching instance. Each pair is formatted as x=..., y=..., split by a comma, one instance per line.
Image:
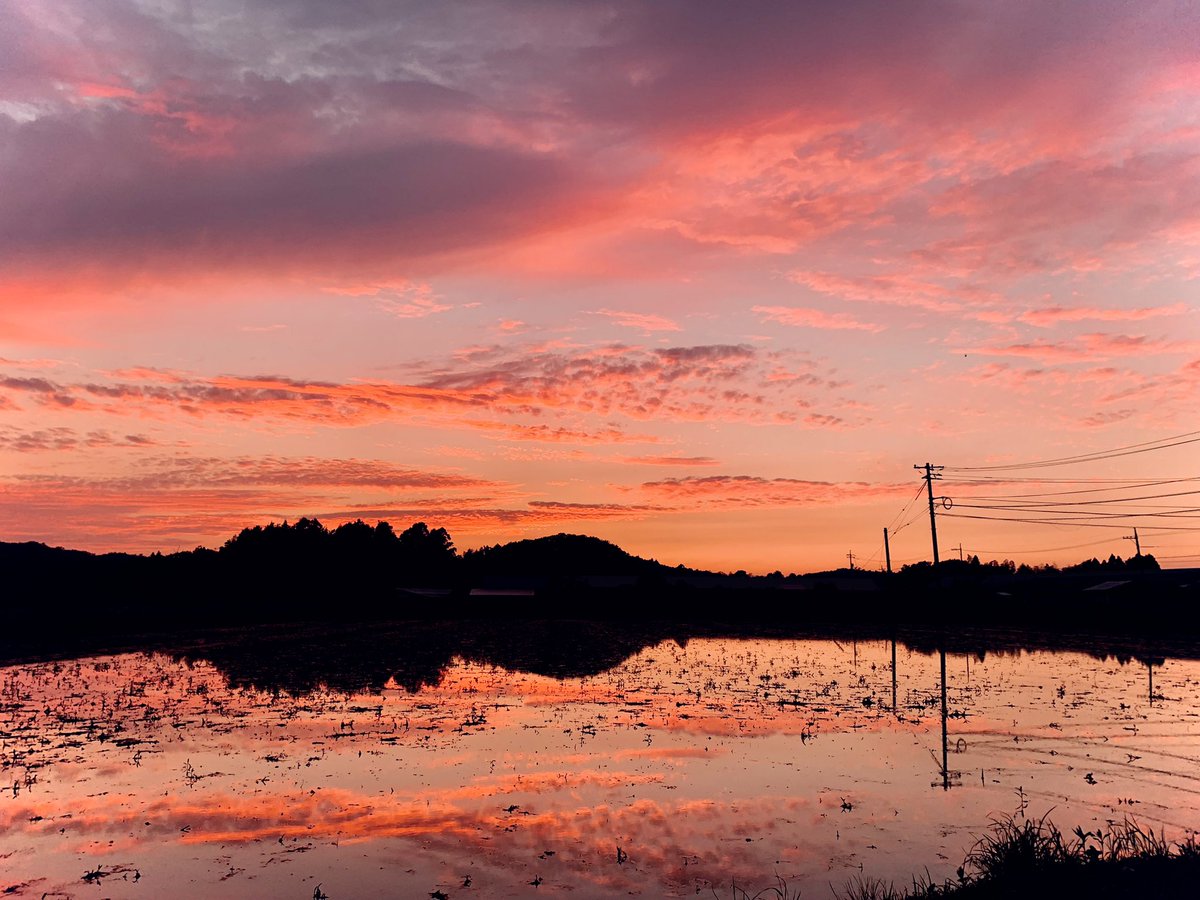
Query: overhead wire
x=1047, y=549
x=1109, y=502
x=1189, y=437
x=904, y=508
x=1075, y=524
x=1067, y=516
x=1104, y=490
x=1033, y=479
x=917, y=515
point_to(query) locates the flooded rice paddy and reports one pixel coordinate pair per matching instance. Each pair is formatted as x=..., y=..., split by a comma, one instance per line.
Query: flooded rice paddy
x=675, y=769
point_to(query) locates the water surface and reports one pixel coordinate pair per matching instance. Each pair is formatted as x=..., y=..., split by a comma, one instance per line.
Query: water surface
x=673, y=769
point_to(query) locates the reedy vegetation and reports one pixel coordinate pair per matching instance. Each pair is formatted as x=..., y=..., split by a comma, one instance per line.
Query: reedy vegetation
x=1032, y=857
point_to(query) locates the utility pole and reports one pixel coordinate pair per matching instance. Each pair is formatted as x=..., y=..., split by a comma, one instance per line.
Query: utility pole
x=850, y=556
x=931, y=472
x=960, y=553
x=887, y=551
x=1136, y=543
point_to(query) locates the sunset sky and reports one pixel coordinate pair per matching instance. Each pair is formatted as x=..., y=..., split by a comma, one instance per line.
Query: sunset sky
x=702, y=279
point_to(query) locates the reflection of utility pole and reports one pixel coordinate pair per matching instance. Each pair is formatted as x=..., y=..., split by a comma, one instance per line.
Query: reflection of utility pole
x=893, y=674
x=945, y=735
x=1150, y=672
x=931, y=472
x=1136, y=543
x=887, y=551
x=850, y=556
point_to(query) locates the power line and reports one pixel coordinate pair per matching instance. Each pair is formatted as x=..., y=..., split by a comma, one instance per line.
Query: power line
x=1066, y=516
x=1034, y=479
x=1165, y=529
x=904, y=508
x=1085, y=502
x=916, y=515
x=1126, y=486
x=1190, y=437
x=1047, y=549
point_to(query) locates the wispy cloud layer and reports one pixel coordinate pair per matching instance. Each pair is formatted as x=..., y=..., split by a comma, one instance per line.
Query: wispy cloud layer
x=537, y=393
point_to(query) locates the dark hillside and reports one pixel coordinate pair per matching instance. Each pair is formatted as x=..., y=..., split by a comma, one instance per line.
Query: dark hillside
x=559, y=555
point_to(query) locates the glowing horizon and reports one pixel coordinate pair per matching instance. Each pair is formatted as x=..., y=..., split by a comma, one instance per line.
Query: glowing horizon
x=702, y=283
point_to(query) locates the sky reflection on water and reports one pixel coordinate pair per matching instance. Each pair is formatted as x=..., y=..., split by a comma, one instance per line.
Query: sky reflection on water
x=717, y=760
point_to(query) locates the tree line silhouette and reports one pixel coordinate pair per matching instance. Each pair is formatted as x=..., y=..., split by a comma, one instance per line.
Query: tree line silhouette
x=286, y=571
x=304, y=571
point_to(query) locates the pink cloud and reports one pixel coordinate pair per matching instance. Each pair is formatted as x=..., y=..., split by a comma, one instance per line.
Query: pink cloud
x=1101, y=419
x=1053, y=315
x=1077, y=214
x=1039, y=379
x=402, y=299
x=504, y=403
x=897, y=290
x=1089, y=347
x=641, y=321
x=238, y=148
x=61, y=438
x=751, y=490
x=802, y=317
x=669, y=460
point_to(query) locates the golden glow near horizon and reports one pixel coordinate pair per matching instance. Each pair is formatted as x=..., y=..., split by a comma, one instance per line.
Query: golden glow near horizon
x=703, y=283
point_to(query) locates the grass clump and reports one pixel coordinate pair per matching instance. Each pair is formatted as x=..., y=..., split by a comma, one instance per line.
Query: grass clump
x=1033, y=859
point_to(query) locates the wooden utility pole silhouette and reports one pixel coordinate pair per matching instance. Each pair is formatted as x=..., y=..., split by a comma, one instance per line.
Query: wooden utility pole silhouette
x=850, y=556
x=887, y=551
x=931, y=472
x=960, y=552
x=1136, y=543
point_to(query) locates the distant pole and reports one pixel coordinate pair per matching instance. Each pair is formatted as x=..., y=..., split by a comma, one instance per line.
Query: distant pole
x=960, y=553
x=1137, y=544
x=931, y=472
x=850, y=556
x=887, y=551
